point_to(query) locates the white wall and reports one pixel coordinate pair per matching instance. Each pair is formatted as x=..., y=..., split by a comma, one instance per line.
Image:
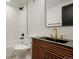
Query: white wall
x=36, y=21
x=23, y=20
x=16, y=24
x=12, y=25
x=23, y=25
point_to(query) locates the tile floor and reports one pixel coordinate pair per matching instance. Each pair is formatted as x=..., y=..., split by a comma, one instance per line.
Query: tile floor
x=28, y=55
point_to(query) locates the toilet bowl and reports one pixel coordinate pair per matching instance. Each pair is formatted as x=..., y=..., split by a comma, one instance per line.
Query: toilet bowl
x=20, y=51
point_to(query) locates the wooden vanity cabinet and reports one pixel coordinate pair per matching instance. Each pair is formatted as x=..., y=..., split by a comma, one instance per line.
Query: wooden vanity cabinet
x=45, y=50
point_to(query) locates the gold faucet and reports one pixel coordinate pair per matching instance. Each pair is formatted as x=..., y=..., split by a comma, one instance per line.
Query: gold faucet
x=55, y=29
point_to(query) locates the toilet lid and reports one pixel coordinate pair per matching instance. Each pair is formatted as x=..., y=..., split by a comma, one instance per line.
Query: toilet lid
x=21, y=46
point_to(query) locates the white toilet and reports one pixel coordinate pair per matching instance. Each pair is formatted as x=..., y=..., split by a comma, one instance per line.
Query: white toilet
x=20, y=51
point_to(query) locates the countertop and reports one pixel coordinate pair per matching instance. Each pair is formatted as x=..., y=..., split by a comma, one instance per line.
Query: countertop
x=68, y=44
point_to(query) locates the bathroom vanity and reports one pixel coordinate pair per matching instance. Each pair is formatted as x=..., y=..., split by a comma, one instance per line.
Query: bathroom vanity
x=46, y=49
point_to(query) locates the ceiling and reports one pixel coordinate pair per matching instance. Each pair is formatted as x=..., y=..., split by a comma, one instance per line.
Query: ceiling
x=18, y=3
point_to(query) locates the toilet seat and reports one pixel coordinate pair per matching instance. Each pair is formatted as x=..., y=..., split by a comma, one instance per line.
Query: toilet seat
x=21, y=47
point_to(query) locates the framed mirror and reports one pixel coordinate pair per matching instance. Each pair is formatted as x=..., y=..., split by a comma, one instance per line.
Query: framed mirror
x=54, y=11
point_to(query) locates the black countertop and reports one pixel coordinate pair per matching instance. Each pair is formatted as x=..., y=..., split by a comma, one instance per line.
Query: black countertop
x=68, y=44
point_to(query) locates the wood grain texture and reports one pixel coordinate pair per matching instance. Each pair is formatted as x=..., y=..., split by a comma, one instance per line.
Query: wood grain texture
x=44, y=50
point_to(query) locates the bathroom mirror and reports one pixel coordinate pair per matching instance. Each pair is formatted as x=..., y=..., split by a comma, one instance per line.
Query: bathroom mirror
x=54, y=11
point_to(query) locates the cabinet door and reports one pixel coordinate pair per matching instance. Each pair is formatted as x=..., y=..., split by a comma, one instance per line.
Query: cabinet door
x=67, y=57
x=50, y=55
x=37, y=53
x=45, y=50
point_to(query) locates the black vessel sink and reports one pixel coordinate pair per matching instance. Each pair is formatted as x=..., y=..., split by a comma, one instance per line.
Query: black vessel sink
x=54, y=39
